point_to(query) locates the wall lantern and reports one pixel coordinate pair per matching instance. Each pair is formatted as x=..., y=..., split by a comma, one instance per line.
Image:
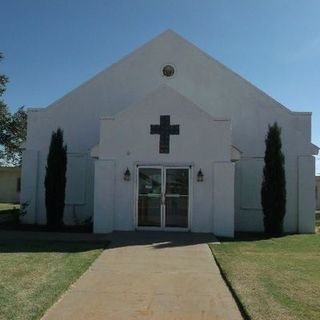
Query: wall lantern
x=200, y=176
x=127, y=175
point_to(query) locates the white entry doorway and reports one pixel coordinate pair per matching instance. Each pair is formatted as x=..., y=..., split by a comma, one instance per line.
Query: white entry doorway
x=163, y=198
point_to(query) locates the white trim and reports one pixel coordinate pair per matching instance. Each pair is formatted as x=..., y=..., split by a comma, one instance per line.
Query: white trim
x=163, y=169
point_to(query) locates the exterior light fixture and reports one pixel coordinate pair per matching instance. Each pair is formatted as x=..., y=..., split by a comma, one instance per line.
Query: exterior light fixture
x=199, y=176
x=127, y=175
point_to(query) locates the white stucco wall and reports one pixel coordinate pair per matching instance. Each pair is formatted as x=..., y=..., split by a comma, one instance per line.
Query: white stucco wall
x=29, y=185
x=104, y=196
x=223, y=199
x=126, y=142
x=207, y=83
x=306, y=197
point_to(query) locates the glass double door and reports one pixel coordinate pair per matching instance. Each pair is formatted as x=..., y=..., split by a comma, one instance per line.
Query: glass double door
x=163, y=197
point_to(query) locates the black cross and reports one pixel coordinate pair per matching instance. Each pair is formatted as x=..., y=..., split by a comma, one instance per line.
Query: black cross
x=164, y=130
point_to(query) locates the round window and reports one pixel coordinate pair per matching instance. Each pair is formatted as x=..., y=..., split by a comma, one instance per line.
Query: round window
x=168, y=70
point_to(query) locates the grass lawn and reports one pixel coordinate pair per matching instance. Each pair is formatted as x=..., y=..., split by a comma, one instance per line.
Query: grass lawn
x=277, y=278
x=33, y=274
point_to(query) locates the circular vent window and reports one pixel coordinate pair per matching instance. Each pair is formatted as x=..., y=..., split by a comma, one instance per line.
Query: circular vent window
x=168, y=70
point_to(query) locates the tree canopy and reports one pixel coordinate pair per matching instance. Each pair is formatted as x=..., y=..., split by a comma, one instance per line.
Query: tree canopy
x=13, y=129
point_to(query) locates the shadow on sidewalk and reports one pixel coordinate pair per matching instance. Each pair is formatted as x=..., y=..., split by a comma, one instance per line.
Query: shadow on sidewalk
x=23, y=241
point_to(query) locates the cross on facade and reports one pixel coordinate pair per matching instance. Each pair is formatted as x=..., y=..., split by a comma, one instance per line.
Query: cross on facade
x=164, y=130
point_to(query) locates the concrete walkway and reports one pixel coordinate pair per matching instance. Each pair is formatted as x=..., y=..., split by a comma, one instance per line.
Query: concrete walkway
x=146, y=275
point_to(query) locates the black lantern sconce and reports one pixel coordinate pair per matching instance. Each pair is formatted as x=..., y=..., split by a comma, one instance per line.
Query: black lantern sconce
x=127, y=175
x=199, y=176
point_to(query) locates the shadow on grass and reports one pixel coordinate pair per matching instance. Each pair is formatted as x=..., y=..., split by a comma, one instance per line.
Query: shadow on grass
x=251, y=236
x=245, y=236
x=16, y=226
x=43, y=246
x=24, y=241
x=39, y=241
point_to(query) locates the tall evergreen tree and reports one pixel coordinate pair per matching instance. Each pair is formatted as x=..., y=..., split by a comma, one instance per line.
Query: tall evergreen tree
x=273, y=190
x=55, y=181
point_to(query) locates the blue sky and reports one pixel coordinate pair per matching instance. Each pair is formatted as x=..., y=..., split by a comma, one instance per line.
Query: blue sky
x=52, y=46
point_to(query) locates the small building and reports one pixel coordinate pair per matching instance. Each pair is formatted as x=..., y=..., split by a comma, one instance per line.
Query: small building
x=10, y=184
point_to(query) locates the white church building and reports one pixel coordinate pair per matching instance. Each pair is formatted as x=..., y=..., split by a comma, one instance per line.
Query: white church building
x=165, y=139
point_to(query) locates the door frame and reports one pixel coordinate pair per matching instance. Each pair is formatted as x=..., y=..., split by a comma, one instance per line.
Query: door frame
x=162, y=208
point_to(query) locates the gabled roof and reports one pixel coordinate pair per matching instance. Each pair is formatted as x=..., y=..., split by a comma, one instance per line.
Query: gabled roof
x=171, y=37
x=199, y=77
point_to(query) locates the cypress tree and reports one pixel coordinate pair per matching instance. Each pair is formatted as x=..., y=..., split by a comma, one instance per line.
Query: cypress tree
x=273, y=190
x=55, y=181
